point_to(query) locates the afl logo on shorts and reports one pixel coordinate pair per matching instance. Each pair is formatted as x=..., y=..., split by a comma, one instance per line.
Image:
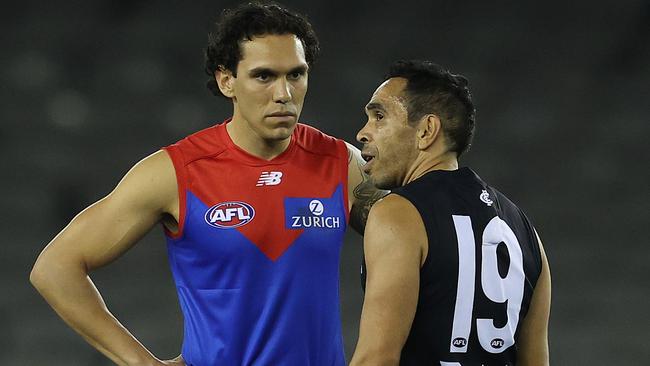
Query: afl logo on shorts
x=228, y=215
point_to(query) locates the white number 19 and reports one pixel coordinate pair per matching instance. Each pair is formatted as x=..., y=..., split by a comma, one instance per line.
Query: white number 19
x=496, y=288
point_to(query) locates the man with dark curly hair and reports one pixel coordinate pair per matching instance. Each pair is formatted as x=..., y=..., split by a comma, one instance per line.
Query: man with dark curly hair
x=456, y=274
x=254, y=210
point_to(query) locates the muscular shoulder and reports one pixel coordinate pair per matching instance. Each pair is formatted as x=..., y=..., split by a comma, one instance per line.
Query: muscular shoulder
x=149, y=185
x=395, y=224
x=394, y=211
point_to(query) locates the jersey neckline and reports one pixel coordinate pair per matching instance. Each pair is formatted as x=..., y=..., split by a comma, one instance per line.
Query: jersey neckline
x=248, y=158
x=463, y=172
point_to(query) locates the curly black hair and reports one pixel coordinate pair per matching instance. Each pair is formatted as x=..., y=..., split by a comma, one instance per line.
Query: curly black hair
x=432, y=89
x=247, y=21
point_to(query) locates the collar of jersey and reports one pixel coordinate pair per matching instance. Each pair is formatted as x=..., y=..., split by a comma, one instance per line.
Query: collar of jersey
x=248, y=158
x=460, y=172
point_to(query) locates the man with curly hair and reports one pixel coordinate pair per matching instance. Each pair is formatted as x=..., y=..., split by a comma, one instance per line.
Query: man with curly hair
x=254, y=210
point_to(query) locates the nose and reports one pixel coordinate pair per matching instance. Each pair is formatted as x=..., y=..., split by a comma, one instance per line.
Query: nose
x=281, y=91
x=362, y=135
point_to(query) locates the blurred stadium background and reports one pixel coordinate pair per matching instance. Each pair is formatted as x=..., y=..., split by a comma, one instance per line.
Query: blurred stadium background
x=561, y=87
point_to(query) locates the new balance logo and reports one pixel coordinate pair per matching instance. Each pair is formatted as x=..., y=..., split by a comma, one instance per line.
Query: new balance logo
x=269, y=179
x=485, y=197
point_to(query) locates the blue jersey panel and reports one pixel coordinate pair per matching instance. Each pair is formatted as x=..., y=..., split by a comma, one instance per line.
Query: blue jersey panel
x=242, y=308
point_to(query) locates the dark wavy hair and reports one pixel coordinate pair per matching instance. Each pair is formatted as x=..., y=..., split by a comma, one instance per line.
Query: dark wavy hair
x=431, y=89
x=247, y=21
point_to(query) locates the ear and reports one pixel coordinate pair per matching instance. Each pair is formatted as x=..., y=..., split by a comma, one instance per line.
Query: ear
x=226, y=80
x=428, y=131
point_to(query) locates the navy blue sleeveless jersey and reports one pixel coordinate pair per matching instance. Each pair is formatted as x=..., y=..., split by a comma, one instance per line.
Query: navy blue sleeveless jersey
x=478, y=278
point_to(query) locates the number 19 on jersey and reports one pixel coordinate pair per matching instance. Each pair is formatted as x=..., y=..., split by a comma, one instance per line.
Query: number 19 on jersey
x=496, y=288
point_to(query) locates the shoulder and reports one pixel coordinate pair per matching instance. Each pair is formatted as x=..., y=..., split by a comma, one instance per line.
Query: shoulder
x=315, y=141
x=395, y=228
x=395, y=214
x=200, y=144
x=395, y=208
x=150, y=183
x=157, y=165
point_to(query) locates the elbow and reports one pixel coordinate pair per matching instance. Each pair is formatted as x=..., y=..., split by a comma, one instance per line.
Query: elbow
x=47, y=270
x=38, y=277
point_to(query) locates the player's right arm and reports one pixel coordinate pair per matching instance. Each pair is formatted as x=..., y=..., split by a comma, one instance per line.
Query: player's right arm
x=94, y=238
x=395, y=246
x=533, y=340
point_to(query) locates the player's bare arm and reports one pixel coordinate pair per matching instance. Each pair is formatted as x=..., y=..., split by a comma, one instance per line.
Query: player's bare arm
x=395, y=246
x=533, y=340
x=94, y=238
x=363, y=194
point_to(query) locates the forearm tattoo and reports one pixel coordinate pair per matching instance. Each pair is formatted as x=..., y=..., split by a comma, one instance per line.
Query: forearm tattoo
x=365, y=194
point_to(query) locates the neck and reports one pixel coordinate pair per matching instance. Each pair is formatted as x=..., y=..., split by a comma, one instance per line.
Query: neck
x=425, y=163
x=250, y=141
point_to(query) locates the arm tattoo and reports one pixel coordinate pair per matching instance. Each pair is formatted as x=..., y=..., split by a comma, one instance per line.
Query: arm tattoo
x=365, y=194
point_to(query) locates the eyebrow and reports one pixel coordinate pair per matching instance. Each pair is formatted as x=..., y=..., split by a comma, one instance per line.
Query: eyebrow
x=374, y=106
x=301, y=69
x=265, y=70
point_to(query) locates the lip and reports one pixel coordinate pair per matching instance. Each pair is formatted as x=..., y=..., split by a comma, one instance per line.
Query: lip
x=366, y=157
x=366, y=167
x=369, y=159
x=281, y=114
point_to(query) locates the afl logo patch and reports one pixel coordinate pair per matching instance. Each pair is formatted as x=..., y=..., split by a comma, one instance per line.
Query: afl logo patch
x=459, y=342
x=497, y=343
x=228, y=215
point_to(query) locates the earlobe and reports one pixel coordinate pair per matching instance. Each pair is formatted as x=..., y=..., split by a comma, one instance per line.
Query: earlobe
x=428, y=131
x=225, y=80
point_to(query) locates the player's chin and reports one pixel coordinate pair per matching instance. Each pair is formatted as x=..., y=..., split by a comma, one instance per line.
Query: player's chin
x=282, y=131
x=375, y=179
x=382, y=181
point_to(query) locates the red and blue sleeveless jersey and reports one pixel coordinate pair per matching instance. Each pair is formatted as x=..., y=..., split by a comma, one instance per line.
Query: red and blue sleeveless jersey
x=256, y=256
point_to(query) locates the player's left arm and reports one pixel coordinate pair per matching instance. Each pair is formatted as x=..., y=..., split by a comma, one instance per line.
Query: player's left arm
x=395, y=245
x=362, y=194
x=533, y=340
